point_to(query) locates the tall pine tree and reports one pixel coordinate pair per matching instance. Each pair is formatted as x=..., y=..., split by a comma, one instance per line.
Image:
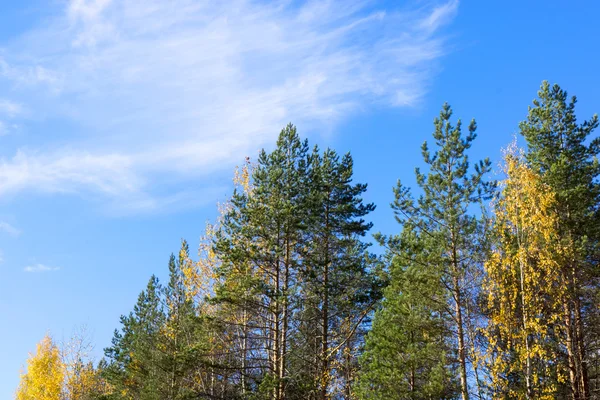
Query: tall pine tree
x=259, y=242
x=408, y=354
x=336, y=285
x=451, y=236
x=560, y=150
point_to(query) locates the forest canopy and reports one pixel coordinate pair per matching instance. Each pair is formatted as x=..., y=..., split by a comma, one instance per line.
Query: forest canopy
x=486, y=290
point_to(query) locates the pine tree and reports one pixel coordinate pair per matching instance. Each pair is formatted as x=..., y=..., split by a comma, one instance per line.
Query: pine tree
x=453, y=237
x=134, y=359
x=293, y=269
x=560, y=150
x=258, y=245
x=336, y=287
x=182, y=339
x=407, y=353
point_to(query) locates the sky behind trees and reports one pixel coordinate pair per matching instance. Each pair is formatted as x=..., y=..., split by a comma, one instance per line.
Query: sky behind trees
x=121, y=122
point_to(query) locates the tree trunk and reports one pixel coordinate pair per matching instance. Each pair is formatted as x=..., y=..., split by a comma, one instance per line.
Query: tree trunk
x=276, y=332
x=284, y=332
x=462, y=359
x=584, y=384
x=570, y=352
x=244, y=349
x=325, y=337
x=524, y=316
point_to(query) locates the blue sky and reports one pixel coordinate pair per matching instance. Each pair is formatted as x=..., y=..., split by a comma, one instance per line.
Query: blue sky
x=121, y=122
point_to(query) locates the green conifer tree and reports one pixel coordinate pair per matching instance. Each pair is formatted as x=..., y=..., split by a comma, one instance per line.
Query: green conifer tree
x=562, y=152
x=336, y=288
x=408, y=353
x=452, y=241
x=134, y=359
x=258, y=246
x=182, y=339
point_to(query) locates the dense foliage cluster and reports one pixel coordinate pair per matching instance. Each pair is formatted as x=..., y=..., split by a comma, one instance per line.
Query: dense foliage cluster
x=489, y=290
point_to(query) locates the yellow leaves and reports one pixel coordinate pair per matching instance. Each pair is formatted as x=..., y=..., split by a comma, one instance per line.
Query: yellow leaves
x=45, y=374
x=242, y=176
x=83, y=381
x=199, y=277
x=53, y=374
x=524, y=282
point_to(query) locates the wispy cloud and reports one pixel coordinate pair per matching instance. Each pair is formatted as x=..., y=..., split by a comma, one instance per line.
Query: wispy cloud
x=68, y=172
x=171, y=91
x=10, y=108
x=40, y=268
x=8, y=228
x=440, y=15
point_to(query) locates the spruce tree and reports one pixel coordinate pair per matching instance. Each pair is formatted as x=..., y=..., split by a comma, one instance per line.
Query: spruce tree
x=134, y=359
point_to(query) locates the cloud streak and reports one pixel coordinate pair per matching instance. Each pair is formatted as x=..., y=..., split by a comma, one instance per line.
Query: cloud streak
x=36, y=268
x=157, y=91
x=8, y=228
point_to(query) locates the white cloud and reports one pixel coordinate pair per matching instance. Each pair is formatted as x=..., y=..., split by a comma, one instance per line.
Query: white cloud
x=68, y=172
x=86, y=9
x=30, y=74
x=10, y=108
x=171, y=91
x=441, y=15
x=40, y=268
x=8, y=228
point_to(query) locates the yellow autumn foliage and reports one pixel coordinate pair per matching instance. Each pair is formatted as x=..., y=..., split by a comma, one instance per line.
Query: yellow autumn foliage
x=83, y=381
x=524, y=287
x=45, y=374
x=61, y=373
x=199, y=277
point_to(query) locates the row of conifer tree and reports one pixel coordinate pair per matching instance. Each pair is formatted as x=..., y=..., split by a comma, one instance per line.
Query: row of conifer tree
x=487, y=290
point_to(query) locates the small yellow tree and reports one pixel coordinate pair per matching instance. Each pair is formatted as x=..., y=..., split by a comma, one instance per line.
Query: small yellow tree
x=81, y=380
x=84, y=382
x=45, y=374
x=524, y=287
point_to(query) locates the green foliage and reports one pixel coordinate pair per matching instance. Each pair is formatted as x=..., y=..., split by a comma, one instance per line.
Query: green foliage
x=158, y=350
x=134, y=357
x=452, y=241
x=407, y=354
x=565, y=156
x=287, y=303
x=337, y=287
x=293, y=263
x=258, y=247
